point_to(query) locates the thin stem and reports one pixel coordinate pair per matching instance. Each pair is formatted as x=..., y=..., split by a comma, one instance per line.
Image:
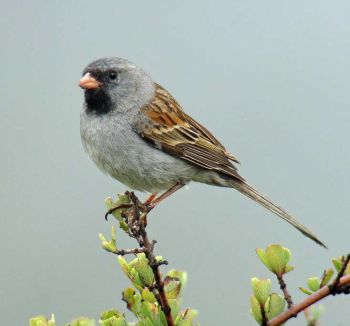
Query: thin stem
x=285, y=291
x=123, y=252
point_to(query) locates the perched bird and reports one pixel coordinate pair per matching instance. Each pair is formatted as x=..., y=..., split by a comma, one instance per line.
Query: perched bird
x=135, y=131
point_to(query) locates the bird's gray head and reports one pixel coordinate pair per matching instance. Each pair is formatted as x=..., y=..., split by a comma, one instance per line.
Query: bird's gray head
x=115, y=84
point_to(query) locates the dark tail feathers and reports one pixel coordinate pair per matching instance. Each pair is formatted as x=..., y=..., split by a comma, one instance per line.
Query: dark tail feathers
x=250, y=192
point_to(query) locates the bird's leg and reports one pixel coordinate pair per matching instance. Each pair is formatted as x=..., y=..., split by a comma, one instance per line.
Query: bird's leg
x=147, y=203
x=150, y=198
x=164, y=195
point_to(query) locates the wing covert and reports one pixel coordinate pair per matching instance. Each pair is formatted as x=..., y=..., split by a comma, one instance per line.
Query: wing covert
x=168, y=127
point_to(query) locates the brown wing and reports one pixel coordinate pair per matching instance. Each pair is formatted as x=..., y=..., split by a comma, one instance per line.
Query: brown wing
x=168, y=127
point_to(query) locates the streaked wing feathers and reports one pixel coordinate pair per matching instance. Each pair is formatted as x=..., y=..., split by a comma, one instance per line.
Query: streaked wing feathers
x=180, y=135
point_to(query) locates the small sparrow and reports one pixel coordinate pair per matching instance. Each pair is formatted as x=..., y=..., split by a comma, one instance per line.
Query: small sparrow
x=135, y=131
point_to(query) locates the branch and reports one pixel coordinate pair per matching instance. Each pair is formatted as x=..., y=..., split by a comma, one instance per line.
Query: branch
x=342, y=286
x=159, y=284
x=136, y=218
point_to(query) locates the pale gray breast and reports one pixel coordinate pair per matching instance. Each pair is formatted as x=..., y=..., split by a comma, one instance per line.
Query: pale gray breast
x=120, y=152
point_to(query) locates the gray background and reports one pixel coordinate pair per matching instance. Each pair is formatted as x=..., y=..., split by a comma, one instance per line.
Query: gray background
x=269, y=78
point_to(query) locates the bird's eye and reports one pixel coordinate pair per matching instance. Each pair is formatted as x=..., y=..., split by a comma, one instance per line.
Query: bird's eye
x=113, y=75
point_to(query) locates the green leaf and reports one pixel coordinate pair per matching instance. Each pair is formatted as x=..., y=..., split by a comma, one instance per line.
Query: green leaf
x=186, y=317
x=337, y=262
x=313, y=283
x=288, y=268
x=278, y=258
x=180, y=275
x=162, y=316
x=110, y=313
x=306, y=291
x=128, y=297
x=52, y=321
x=149, y=310
x=82, y=321
x=137, y=305
x=145, y=272
x=274, y=305
x=261, y=289
x=114, y=321
x=133, y=300
x=145, y=322
x=112, y=318
x=131, y=272
x=147, y=295
x=255, y=309
x=110, y=246
x=275, y=258
x=42, y=321
x=172, y=287
x=326, y=277
x=114, y=238
x=175, y=307
x=124, y=265
x=135, y=279
x=287, y=255
x=103, y=240
x=261, y=254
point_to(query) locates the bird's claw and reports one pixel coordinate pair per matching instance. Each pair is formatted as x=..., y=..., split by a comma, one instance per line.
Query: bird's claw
x=113, y=209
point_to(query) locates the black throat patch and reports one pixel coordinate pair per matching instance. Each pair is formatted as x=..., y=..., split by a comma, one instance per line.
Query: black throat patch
x=97, y=101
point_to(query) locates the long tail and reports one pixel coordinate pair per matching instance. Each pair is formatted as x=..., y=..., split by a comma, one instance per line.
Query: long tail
x=250, y=192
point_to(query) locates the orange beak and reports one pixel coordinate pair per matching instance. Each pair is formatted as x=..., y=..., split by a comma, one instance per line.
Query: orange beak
x=89, y=82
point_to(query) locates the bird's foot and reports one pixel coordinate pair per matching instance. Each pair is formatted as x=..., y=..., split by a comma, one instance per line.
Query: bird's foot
x=151, y=202
x=113, y=209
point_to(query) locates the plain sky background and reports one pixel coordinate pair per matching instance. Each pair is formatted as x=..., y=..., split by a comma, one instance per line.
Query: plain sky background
x=269, y=78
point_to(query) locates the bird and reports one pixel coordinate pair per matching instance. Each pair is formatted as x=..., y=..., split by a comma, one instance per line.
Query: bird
x=135, y=131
